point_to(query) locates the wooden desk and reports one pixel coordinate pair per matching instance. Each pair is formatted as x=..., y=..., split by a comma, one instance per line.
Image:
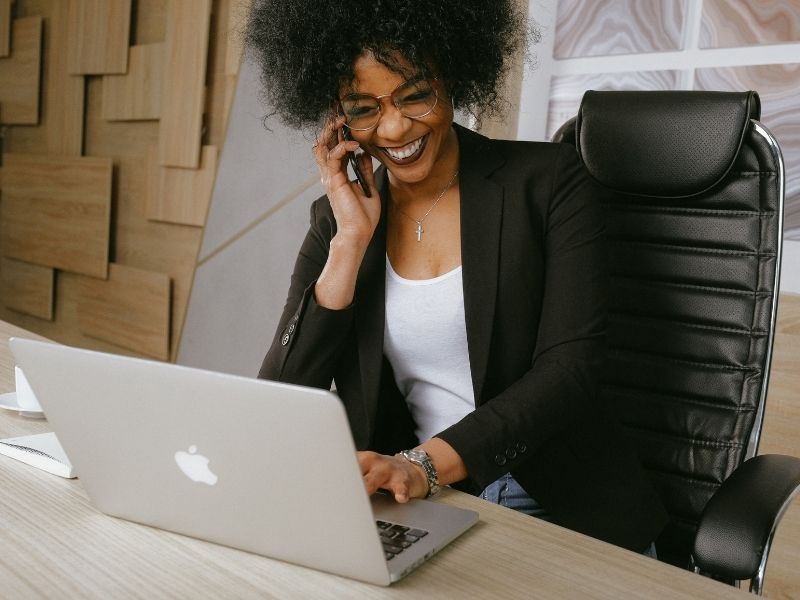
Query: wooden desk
x=54, y=544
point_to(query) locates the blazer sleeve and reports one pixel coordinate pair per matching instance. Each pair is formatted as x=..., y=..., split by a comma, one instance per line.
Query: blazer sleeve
x=559, y=388
x=309, y=337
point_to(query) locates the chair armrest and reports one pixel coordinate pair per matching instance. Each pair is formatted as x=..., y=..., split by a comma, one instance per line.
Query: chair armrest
x=738, y=523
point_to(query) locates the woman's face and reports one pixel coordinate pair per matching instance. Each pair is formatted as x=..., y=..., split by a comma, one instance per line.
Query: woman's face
x=412, y=149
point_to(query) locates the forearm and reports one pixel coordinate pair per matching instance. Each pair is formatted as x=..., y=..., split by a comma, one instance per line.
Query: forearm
x=309, y=336
x=335, y=287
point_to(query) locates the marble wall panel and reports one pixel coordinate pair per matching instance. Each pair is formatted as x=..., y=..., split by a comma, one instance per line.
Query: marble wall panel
x=566, y=91
x=780, y=104
x=726, y=24
x=605, y=27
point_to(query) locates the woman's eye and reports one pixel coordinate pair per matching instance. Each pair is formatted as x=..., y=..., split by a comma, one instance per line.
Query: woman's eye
x=359, y=111
x=417, y=96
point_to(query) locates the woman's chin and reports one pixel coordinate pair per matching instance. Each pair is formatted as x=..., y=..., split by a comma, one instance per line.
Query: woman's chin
x=405, y=174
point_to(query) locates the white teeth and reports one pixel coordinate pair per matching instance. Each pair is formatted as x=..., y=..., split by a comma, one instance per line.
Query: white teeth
x=406, y=151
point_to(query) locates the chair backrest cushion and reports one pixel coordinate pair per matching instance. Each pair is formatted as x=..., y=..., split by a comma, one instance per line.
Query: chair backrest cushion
x=692, y=204
x=672, y=144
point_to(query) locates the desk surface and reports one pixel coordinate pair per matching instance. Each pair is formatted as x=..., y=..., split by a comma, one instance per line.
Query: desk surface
x=53, y=543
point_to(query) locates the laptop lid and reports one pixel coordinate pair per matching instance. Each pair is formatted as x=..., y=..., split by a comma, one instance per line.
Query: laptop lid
x=261, y=466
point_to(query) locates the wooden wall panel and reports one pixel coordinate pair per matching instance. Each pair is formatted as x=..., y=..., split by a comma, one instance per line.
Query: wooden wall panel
x=150, y=22
x=237, y=24
x=98, y=34
x=224, y=58
x=181, y=195
x=27, y=288
x=5, y=27
x=135, y=241
x=131, y=309
x=139, y=242
x=20, y=74
x=56, y=211
x=64, y=93
x=136, y=95
x=184, y=80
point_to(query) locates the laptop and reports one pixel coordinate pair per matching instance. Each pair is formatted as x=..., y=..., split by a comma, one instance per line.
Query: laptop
x=264, y=467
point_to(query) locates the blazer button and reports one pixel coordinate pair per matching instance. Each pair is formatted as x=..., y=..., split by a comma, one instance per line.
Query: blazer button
x=285, y=339
x=291, y=328
x=511, y=453
x=521, y=446
x=500, y=459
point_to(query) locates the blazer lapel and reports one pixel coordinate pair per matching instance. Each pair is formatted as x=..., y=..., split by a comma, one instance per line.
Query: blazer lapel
x=371, y=306
x=481, y=221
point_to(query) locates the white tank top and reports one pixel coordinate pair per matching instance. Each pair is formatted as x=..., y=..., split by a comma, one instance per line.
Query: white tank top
x=425, y=340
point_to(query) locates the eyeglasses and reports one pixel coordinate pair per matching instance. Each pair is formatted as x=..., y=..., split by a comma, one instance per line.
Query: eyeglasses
x=415, y=98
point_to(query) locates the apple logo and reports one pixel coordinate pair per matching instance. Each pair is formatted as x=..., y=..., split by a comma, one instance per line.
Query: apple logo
x=195, y=466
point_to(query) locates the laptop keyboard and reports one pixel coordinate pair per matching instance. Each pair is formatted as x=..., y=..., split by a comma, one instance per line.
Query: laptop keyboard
x=396, y=538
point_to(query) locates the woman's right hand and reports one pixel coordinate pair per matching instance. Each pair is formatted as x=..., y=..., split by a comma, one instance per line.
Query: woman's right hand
x=356, y=215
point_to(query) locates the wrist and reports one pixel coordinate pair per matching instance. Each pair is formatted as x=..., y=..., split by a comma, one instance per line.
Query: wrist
x=422, y=480
x=335, y=287
x=419, y=458
x=349, y=246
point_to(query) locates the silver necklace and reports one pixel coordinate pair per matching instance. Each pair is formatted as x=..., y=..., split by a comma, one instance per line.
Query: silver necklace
x=420, y=230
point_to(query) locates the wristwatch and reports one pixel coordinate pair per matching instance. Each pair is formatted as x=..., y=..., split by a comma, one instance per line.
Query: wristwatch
x=421, y=458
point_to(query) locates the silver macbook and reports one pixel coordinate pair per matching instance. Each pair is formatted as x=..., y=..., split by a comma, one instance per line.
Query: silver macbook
x=264, y=467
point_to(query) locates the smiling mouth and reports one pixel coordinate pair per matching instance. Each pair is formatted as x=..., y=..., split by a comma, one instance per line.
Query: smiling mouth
x=404, y=155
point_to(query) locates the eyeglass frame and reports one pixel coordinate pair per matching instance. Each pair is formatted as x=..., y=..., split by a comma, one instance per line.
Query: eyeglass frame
x=389, y=95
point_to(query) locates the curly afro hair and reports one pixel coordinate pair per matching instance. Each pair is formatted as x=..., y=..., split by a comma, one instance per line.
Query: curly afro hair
x=306, y=48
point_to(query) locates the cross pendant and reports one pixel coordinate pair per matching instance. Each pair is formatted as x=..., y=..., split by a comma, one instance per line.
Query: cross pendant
x=419, y=231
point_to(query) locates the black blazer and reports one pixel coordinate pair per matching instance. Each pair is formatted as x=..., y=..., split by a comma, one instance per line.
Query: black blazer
x=534, y=301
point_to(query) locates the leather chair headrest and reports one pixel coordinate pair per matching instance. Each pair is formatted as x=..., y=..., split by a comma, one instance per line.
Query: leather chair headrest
x=663, y=144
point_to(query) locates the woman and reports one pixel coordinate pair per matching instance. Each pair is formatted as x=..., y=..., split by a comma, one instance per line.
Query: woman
x=456, y=296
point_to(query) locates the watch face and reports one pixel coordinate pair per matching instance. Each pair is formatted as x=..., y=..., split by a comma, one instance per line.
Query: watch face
x=417, y=454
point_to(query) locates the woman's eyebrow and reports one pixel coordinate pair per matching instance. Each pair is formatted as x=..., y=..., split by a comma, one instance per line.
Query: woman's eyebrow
x=351, y=87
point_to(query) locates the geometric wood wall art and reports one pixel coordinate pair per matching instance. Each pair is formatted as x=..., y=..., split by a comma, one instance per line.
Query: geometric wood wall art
x=19, y=74
x=188, y=23
x=64, y=93
x=56, y=211
x=137, y=94
x=181, y=195
x=98, y=34
x=27, y=288
x=5, y=27
x=130, y=309
x=234, y=44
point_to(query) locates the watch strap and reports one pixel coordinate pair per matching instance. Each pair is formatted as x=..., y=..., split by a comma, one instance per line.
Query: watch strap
x=421, y=458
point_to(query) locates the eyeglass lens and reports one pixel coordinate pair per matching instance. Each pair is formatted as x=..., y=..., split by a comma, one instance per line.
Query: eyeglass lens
x=414, y=99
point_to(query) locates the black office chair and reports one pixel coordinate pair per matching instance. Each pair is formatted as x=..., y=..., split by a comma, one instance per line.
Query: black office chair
x=692, y=185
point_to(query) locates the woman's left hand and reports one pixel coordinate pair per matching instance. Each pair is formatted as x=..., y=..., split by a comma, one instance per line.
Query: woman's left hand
x=402, y=478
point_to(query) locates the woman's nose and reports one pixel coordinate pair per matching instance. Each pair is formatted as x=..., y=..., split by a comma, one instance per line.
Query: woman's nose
x=393, y=124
